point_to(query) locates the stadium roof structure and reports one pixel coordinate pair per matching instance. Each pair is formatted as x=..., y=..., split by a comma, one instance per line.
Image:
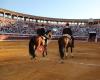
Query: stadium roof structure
x=46, y=18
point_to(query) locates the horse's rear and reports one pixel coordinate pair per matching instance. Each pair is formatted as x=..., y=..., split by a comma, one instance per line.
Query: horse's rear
x=64, y=43
x=36, y=46
x=32, y=43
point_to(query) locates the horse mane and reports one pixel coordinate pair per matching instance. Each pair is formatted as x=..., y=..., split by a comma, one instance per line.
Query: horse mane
x=47, y=32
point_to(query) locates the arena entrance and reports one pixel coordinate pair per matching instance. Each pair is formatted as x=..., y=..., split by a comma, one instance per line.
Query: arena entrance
x=92, y=36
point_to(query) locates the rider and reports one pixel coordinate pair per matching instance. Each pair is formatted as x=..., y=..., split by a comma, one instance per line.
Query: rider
x=41, y=32
x=68, y=32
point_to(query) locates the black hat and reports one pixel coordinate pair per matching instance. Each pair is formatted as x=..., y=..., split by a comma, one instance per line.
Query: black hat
x=67, y=24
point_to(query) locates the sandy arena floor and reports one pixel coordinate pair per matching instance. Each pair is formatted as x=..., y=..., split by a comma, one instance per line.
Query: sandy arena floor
x=15, y=63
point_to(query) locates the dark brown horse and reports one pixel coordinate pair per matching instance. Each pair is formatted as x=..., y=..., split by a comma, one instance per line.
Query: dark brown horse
x=65, y=42
x=37, y=41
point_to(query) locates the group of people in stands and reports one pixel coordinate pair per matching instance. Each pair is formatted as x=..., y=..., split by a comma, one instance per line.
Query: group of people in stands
x=12, y=26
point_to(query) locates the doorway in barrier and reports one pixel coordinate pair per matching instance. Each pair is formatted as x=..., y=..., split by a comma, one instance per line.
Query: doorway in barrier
x=92, y=36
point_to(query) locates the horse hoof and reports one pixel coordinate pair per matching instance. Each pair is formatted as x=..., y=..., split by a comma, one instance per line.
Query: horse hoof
x=36, y=60
x=72, y=56
x=43, y=55
x=61, y=61
x=66, y=57
x=31, y=58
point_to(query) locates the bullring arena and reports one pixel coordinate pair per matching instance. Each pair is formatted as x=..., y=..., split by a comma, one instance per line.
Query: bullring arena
x=15, y=62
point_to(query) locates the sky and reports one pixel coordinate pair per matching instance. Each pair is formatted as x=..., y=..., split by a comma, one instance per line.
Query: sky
x=67, y=9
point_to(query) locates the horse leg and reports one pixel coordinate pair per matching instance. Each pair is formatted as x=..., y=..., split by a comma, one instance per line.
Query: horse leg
x=43, y=54
x=71, y=51
x=45, y=51
x=66, y=53
x=32, y=52
x=72, y=41
x=61, y=50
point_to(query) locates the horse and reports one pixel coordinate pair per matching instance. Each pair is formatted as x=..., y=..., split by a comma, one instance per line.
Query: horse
x=37, y=41
x=65, y=42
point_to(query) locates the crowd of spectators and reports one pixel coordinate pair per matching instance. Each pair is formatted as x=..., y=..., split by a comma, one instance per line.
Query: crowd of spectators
x=23, y=27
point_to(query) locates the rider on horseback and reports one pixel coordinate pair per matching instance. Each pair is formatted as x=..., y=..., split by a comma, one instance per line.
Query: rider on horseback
x=41, y=33
x=39, y=42
x=68, y=32
x=65, y=41
x=45, y=36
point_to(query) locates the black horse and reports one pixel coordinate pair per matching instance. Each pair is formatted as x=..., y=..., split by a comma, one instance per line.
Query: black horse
x=40, y=39
x=65, y=41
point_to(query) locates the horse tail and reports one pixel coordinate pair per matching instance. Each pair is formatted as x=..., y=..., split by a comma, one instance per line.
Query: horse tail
x=31, y=47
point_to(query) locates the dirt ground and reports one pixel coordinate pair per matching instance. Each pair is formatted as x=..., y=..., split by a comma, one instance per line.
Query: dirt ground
x=15, y=62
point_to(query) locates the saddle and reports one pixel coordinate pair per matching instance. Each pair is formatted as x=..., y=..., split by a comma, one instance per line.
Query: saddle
x=67, y=35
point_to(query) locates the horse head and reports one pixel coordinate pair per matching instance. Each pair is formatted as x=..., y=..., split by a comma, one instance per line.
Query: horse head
x=49, y=34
